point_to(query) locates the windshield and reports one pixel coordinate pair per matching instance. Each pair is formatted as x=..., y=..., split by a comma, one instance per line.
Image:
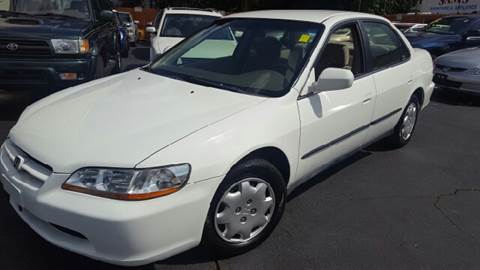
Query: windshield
x=183, y=25
x=61, y=8
x=448, y=26
x=252, y=56
x=125, y=18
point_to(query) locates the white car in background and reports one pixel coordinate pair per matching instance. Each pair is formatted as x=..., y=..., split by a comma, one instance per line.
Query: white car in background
x=175, y=24
x=459, y=71
x=141, y=166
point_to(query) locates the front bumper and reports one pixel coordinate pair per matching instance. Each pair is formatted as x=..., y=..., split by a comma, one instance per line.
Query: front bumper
x=117, y=232
x=458, y=82
x=132, y=36
x=18, y=74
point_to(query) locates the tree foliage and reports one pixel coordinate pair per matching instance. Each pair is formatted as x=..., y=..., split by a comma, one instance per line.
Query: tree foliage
x=384, y=6
x=371, y=6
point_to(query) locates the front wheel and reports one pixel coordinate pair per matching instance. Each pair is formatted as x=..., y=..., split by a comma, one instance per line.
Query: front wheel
x=405, y=128
x=245, y=209
x=118, y=63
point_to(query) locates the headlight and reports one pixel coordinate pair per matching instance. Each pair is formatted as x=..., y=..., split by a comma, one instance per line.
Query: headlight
x=474, y=71
x=70, y=46
x=129, y=184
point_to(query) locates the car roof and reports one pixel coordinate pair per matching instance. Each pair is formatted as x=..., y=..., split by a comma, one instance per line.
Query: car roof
x=192, y=11
x=316, y=16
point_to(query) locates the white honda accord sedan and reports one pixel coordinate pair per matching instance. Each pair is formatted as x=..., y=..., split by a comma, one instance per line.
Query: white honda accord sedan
x=198, y=148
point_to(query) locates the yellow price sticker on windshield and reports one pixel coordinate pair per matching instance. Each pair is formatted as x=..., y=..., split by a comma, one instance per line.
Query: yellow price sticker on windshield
x=304, y=38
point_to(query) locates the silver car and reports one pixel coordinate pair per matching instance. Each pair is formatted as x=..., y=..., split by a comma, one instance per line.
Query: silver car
x=131, y=26
x=459, y=71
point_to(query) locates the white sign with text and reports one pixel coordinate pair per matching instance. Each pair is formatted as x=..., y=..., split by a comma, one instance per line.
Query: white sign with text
x=449, y=6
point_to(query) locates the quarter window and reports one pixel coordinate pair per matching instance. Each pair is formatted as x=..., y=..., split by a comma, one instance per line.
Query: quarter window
x=385, y=46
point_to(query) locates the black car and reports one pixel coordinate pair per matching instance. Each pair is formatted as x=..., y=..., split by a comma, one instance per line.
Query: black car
x=50, y=45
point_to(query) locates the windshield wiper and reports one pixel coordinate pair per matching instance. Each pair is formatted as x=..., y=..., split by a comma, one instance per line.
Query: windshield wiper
x=6, y=13
x=199, y=81
x=209, y=83
x=54, y=15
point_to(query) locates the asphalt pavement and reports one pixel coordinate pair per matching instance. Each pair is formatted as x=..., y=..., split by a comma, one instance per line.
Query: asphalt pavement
x=413, y=208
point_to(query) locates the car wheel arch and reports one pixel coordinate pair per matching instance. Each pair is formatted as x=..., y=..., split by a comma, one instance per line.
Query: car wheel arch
x=272, y=154
x=420, y=93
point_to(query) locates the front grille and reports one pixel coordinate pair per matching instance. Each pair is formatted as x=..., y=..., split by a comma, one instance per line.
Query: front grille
x=21, y=48
x=30, y=172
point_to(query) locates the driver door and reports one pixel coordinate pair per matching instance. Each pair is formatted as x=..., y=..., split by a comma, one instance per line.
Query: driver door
x=335, y=123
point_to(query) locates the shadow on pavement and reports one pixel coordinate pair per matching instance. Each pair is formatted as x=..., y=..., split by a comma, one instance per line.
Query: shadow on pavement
x=13, y=103
x=454, y=98
x=142, y=54
x=329, y=172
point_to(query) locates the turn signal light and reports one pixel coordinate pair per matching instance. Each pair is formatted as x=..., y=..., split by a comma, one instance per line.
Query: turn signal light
x=84, y=46
x=69, y=76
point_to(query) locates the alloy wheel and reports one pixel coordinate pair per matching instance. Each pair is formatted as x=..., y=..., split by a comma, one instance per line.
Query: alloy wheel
x=409, y=121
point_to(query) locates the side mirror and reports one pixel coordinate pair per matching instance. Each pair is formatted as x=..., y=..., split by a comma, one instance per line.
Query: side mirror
x=332, y=79
x=151, y=29
x=127, y=24
x=106, y=15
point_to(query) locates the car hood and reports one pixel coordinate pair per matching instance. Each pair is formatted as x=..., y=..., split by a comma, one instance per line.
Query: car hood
x=121, y=120
x=466, y=58
x=43, y=27
x=425, y=39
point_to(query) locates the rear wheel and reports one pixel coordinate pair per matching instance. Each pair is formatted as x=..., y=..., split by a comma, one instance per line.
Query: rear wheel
x=245, y=209
x=406, y=126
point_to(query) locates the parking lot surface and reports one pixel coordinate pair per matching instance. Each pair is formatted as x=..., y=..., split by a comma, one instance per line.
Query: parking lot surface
x=413, y=208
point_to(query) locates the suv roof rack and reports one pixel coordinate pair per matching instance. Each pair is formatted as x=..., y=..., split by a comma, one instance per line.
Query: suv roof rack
x=190, y=8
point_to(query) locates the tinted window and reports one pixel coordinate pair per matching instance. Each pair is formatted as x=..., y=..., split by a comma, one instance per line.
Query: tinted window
x=343, y=50
x=73, y=8
x=476, y=26
x=449, y=25
x=385, y=45
x=182, y=25
x=125, y=17
x=253, y=56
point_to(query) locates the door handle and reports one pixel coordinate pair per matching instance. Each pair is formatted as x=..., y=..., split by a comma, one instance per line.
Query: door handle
x=367, y=100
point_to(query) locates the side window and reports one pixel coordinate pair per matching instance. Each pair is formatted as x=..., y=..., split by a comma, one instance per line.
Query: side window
x=385, y=46
x=105, y=5
x=476, y=27
x=343, y=50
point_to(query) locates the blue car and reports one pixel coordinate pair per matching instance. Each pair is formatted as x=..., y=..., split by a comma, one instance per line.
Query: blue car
x=123, y=35
x=448, y=34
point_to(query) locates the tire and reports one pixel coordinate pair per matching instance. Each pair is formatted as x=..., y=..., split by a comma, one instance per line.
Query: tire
x=99, y=68
x=247, y=212
x=126, y=51
x=118, y=63
x=405, y=128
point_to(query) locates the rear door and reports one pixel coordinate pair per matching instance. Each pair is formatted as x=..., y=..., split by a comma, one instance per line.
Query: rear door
x=388, y=60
